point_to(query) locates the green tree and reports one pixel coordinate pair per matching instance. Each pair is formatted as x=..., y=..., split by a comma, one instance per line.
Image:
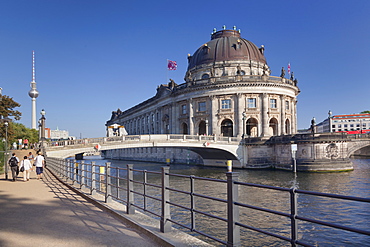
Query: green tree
x=7, y=112
x=365, y=112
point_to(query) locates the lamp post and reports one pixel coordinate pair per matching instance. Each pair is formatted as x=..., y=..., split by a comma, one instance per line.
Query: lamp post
x=244, y=118
x=6, y=150
x=42, y=123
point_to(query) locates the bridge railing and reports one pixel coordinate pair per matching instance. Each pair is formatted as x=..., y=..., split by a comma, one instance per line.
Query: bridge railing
x=138, y=190
x=164, y=137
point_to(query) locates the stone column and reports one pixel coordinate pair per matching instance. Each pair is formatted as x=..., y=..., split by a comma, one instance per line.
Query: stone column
x=265, y=108
x=191, y=115
x=294, y=116
x=240, y=104
x=282, y=115
x=213, y=116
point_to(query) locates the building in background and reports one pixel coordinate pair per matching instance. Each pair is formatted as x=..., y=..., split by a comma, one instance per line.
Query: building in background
x=57, y=134
x=350, y=123
x=228, y=91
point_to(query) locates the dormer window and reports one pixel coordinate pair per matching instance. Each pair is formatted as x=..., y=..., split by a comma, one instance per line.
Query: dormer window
x=205, y=76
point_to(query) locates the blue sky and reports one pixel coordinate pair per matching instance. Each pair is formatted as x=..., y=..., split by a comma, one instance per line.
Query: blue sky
x=94, y=56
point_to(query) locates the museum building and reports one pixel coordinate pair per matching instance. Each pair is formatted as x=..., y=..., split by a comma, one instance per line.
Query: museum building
x=227, y=91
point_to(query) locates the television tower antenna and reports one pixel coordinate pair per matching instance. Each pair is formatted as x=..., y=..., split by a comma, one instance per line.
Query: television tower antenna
x=33, y=93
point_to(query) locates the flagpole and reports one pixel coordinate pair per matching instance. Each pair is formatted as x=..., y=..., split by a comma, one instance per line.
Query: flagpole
x=167, y=71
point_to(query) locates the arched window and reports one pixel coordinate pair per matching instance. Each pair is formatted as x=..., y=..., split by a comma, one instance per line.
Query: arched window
x=287, y=127
x=273, y=126
x=202, y=128
x=227, y=128
x=184, y=128
x=252, y=127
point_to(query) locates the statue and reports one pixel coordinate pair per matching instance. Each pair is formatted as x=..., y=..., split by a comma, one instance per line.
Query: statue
x=282, y=72
x=292, y=76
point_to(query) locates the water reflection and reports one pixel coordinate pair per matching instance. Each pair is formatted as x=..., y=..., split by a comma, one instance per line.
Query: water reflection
x=352, y=214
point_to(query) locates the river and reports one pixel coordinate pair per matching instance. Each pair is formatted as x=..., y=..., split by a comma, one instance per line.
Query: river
x=352, y=214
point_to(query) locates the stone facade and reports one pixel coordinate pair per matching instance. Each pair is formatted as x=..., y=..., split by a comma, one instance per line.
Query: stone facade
x=228, y=91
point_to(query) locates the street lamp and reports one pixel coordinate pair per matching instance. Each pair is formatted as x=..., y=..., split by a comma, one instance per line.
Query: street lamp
x=244, y=118
x=6, y=150
x=42, y=123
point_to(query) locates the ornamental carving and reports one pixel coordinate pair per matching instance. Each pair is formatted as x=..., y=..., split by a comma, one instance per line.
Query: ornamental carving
x=332, y=151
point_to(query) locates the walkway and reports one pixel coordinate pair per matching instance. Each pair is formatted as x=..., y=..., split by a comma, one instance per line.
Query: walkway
x=47, y=213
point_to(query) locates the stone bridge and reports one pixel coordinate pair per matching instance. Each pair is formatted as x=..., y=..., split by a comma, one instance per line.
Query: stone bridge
x=311, y=152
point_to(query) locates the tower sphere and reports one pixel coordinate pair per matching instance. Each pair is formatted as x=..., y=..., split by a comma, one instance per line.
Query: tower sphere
x=33, y=93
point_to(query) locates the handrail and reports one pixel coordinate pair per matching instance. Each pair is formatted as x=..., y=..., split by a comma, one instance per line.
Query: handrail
x=99, y=179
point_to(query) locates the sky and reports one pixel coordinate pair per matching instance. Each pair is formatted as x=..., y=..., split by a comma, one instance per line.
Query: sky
x=95, y=56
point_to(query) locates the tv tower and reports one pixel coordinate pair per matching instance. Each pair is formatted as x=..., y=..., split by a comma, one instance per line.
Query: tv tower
x=33, y=93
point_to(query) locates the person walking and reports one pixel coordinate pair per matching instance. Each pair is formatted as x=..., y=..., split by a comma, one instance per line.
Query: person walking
x=13, y=163
x=27, y=168
x=39, y=163
x=30, y=157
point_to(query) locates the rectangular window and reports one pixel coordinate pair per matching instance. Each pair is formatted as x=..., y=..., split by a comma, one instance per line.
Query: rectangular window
x=339, y=126
x=252, y=103
x=226, y=104
x=183, y=109
x=202, y=106
x=286, y=105
x=273, y=103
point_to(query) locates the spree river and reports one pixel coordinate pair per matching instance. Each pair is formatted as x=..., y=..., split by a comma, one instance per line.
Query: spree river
x=352, y=214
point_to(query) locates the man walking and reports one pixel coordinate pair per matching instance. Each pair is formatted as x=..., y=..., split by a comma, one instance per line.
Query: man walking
x=39, y=163
x=13, y=163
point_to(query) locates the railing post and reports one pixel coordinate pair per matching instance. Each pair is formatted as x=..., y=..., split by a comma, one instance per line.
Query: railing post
x=130, y=186
x=192, y=202
x=165, y=225
x=75, y=179
x=108, y=185
x=83, y=174
x=293, y=214
x=68, y=170
x=93, y=179
x=233, y=231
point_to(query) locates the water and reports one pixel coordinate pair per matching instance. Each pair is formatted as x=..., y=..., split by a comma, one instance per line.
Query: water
x=352, y=214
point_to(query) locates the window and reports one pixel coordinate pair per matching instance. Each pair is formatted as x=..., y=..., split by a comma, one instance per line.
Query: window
x=226, y=104
x=287, y=105
x=202, y=106
x=183, y=109
x=252, y=103
x=205, y=76
x=272, y=103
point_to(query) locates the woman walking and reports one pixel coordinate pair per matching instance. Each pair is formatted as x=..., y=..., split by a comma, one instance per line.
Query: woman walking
x=26, y=164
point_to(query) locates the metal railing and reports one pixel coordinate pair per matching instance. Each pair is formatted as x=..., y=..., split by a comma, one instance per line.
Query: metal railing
x=132, y=188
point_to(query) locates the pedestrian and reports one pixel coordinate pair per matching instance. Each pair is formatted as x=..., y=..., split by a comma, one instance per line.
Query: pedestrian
x=27, y=166
x=30, y=157
x=13, y=163
x=39, y=163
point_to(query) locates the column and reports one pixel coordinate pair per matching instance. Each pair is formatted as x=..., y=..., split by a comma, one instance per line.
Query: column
x=213, y=116
x=239, y=113
x=265, y=108
x=191, y=114
x=282, y=115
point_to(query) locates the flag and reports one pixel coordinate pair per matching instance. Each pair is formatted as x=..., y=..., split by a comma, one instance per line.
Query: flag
x=171, y=65
x=289, y=68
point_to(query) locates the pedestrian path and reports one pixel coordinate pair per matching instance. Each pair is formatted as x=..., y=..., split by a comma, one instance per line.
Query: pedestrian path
x=47, y=213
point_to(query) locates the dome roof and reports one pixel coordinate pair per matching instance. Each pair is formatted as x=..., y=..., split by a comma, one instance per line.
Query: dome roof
x=226, y=45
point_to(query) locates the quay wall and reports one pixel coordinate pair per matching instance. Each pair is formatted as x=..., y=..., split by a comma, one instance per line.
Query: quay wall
x=155, y=154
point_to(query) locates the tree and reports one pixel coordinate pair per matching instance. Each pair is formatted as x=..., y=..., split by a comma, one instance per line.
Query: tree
x=365, y=112
x=7, y=106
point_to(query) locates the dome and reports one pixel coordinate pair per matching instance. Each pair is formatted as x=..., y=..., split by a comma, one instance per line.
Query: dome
x=226, y=45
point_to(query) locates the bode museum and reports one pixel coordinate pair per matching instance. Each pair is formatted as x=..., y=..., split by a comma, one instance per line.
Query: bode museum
x=227, y=91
